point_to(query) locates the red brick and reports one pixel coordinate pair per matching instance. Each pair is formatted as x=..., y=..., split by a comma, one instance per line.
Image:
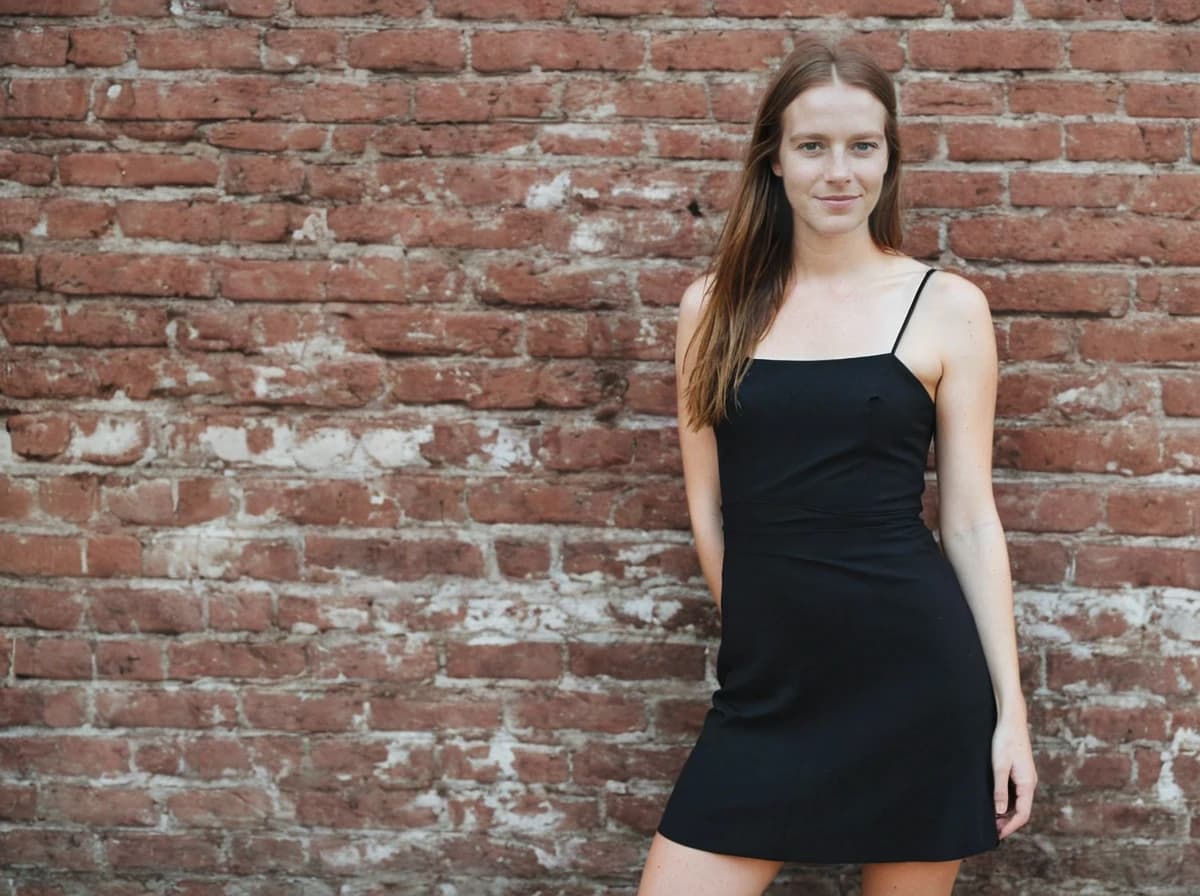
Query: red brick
x=145, y=611
x=52, y=658
x=407, y=560
x=225, y=659
x=582, y=710
x=18, y=803
x=129, y=660
x=158, y=849
x=62, y=98
x=224, y=807
x=1130, y=447
x=519, y=559
x=321, y=711
x=30, y=704
x=556, y=50
x=993, y=49
x=63, y=849
x=166, y=709
x=43, y=47
x=410, y=50
x=1181, y=395
x=638, y=661
x=46, y=608
x=368, y=807
x=502, y=9
x=222, y=48
x=1152, y=511
x=518, y=660
x=91, y=755
x=732, y=50
x=397, y=659
x=1113, y=566
x=101, y=47
x=99, y=807
x=427, y=710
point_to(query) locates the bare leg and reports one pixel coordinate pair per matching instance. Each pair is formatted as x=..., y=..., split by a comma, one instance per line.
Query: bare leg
x=673, y=869
x=909, y=878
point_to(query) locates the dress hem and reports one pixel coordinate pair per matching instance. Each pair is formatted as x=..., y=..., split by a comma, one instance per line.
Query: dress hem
x=811, y=860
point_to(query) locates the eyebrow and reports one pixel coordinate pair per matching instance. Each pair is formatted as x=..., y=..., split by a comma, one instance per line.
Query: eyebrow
x=852, y=136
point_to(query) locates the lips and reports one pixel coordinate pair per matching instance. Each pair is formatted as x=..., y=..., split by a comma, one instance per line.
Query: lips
x=837, y=198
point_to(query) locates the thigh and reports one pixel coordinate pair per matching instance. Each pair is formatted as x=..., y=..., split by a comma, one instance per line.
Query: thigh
x=909, y=878
x=673, y=869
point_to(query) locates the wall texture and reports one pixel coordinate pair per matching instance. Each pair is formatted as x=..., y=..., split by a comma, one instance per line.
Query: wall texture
x=343, y=547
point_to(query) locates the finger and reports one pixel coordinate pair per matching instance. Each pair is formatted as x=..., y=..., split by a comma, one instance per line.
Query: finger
x=1000, y=790
x=1018, y=819
x=1023, y=809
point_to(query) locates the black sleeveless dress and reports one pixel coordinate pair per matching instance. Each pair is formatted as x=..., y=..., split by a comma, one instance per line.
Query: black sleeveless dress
x=854, y=711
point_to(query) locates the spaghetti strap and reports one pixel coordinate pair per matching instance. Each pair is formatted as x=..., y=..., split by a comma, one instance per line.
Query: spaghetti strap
x=911, y=306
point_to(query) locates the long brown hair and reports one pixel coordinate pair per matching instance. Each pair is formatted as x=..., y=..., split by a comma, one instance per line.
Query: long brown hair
x=753, y=258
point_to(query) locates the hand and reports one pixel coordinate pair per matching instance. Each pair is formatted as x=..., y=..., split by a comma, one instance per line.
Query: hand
x=1012, y=762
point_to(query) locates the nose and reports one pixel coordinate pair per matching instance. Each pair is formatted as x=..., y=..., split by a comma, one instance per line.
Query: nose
x=837, y=168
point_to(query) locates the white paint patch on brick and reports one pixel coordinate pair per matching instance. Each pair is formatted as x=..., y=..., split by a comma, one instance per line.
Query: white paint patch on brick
x=400, y=447
x=647, y=332
x=1181, y=615
x=314, y=229
x=326, y=449
x=649, y=609
x=589, y=236
x=500, y=751
x=551, y=195
x=227, y=443
x=578, y=131
x=111, y=438
x=347, y=617
x=1107, y=395
x=651, y=192
x=492, y=639
x=319, y=347
x=114, y=90
x=1186, y=461
x=510, y=447
x=262, y=381
x=196, y=375
x=1166, y=788
x=365, y=850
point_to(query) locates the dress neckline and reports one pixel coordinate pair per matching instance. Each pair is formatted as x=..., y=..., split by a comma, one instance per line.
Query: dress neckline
x=910, y=376
x=820, y=360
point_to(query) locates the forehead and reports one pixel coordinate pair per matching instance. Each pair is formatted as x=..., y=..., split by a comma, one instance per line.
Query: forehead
x=834, y=109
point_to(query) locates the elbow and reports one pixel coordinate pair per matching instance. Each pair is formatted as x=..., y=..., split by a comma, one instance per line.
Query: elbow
x=980, y=523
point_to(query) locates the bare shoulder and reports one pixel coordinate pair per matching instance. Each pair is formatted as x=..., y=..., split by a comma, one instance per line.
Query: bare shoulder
x=694, y=297
x=690, y=307
x=962, y=313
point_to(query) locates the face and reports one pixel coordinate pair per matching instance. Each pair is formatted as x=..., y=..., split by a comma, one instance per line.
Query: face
x=833, y=145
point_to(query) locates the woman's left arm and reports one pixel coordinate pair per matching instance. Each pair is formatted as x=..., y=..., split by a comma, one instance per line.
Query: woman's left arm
x=971, y=535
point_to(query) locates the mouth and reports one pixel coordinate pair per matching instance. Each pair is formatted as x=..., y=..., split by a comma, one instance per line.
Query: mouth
x=836, y=198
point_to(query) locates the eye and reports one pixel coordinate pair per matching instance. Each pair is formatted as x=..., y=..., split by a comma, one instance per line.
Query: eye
x=871, y=145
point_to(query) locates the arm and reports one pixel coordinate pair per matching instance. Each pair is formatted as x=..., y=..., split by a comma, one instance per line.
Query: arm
x=971, y=534
x=699, y=452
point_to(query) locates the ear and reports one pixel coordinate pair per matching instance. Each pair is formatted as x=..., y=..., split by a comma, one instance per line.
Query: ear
x=778, y=171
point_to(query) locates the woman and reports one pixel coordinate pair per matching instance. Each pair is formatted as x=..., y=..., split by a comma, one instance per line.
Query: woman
x=869, y=707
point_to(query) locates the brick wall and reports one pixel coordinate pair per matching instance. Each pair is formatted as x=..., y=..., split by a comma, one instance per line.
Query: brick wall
x=343, y=546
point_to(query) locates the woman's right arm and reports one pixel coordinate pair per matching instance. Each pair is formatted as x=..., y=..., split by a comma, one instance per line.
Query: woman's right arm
x=699, y=451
